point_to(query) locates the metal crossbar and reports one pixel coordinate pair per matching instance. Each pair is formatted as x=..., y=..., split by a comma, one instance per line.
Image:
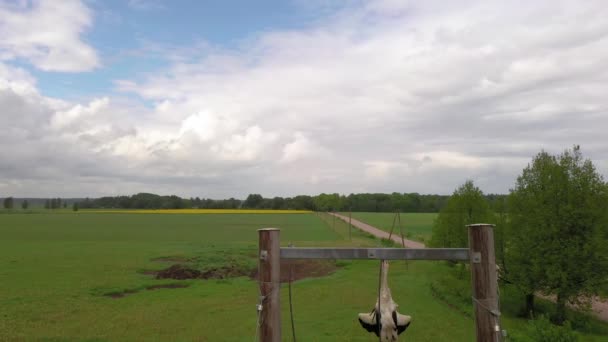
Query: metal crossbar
x=457, y=254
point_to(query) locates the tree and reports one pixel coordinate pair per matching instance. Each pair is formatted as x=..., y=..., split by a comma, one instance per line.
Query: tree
x=25, y=204
x=253, y=201
x=47, y=204
x=557, y=236
x=499, y=207
x=8, y=203
x=75, y=206
x=466, y=206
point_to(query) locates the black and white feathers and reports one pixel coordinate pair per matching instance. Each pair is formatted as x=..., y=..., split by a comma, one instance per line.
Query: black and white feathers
x=385, y=321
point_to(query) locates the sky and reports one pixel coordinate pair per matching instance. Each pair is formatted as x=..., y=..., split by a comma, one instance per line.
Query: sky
x=220, y=99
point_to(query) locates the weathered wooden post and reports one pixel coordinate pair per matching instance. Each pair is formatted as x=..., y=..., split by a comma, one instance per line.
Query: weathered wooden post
x=350, y=224
x=333, y=214
x=484, y=280
x=270, y=284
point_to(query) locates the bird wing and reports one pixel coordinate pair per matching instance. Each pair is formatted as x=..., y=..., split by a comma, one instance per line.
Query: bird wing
x=401, y=321
x=369, y=322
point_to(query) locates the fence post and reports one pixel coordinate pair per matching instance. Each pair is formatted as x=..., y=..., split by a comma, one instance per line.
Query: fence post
x=270, y=284
x=350, y=225
x=484, y=280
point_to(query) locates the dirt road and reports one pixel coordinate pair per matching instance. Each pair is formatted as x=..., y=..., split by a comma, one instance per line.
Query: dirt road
x=379, y=233
x=599, y=307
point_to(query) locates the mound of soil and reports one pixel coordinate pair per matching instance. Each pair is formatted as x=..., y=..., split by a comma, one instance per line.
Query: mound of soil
x=290, y=269
x=302, y=269
x=126, y=292
x=181, y=272
x=121, y=293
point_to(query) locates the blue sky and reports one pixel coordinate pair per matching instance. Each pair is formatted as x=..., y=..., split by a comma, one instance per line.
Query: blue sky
x=225, y=98
x=137, y=37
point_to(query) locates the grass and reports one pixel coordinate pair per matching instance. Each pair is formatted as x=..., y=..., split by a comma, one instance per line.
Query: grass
x=416, y=226
x=56, y=270
x=453, y=285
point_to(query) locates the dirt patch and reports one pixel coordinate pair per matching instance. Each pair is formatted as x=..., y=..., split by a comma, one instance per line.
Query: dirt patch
x=182, y=272
x=120, y=294
x=178, y=271
x=294, y=269
x=126, y=292
x=302, y=269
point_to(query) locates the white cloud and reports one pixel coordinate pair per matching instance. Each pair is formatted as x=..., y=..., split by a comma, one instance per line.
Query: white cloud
x=449, y=160
x=302, y=148
x=47, y=34
x=61, y=119
x=17, y=80
x=378, y=170
x=245, y=147
x=382, y=96
x=204, y=124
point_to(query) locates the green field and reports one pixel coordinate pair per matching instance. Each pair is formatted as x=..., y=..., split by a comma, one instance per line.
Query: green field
x=59, y=270
x=416, y=226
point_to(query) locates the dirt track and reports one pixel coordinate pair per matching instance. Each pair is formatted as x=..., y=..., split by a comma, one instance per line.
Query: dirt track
x=600, y=308
x=379, y=233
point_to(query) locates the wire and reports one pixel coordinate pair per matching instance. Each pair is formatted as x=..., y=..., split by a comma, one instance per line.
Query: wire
x=495, y=313
x=378, y=315
x=293, y=327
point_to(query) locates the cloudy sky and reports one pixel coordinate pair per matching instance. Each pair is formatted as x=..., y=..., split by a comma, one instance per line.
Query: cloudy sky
x=225, y=98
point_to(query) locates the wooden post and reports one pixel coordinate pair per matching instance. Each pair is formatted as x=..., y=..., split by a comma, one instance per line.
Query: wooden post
x=270, y=285
x=400, y=231
x=333, y=214
x=350, y=225
x=484, y=280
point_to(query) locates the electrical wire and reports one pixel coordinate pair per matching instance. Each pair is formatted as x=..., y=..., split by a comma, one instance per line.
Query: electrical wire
x=293, y=327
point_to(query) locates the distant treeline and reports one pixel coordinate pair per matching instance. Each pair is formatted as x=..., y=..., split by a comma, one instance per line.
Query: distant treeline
x=406, y=202
x=37, y=203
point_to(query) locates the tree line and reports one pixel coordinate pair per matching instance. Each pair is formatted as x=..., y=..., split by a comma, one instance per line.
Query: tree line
x=27, y=203
x=365, y=202
x=551, y=232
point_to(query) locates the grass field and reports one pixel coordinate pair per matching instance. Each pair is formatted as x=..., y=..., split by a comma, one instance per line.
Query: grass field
x=416, y=226
x=59, y=270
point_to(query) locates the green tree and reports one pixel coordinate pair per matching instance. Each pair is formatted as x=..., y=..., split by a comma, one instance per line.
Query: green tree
x=25, y=204
x=501, y=218
x=557, y=235
x=75, y=206
x=253, y=201
x=467, y=205
x=327, y=202
x=8, y=203
x=47, y=204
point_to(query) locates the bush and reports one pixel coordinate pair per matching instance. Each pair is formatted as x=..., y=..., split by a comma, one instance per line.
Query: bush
x=542, y=330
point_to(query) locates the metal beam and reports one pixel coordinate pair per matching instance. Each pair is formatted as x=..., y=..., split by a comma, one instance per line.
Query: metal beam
x=460, y=254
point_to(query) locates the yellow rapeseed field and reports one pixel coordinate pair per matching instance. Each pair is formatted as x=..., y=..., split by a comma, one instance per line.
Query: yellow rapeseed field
x=201, y=211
